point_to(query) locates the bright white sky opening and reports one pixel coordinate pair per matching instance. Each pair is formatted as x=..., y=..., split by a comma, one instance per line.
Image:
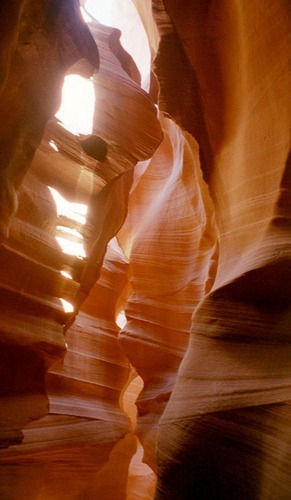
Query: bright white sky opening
x=78, y=105
x=78, y=96
x=123, y=15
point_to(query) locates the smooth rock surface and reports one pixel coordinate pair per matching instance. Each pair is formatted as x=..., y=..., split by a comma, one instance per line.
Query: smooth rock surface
x=169, y=218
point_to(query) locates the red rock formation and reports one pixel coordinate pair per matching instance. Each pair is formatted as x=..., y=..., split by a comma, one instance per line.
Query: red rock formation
x=168, y=234
x=198, y=194
x=40, y=277
x=39, y=46
x=230, y=401
x=41, y=41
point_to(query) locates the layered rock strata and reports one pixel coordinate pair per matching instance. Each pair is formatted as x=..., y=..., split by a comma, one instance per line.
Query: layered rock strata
x=198, y=194
x=40, y=44
x=71, y=203
x=232, y=395
x=170, y=243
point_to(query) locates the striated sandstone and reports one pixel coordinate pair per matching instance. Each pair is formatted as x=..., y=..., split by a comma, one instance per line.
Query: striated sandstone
x=47, y=275
x=237, y=366
x=193, y=179
x=170, y=243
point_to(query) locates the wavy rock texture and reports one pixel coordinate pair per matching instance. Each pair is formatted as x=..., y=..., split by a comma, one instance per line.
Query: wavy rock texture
x=226, y=429
x=50, y=265
x=198, y=196
x=166, y=233
x=39, y=40
x=85, y=438
x=34, y=33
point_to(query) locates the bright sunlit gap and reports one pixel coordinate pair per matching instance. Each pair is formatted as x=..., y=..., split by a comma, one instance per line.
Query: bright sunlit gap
x=73, y=211
x=78, y=105
x=67, y=306
x=70, y=239
x=54, y=146
x=121, y=319
x=76, y=114
x=71, y=247
x=123, y=15
x=66, y=275
x=72, y=232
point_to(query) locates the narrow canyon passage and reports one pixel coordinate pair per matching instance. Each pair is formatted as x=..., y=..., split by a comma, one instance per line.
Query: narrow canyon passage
x=145, y=250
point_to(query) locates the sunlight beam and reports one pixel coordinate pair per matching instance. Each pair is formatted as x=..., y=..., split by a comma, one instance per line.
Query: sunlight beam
x=67, y=306
x=78, y=104
x=69, y=238
x=73, y=211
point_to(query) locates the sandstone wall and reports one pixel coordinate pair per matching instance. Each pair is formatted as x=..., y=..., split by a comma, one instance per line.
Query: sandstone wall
x=176, y=211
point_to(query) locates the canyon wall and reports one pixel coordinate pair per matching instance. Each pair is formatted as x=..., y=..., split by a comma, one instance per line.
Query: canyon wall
x=226, y=428
x=173, y=213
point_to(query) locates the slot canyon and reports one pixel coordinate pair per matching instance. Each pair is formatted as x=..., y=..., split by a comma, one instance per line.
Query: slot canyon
x=145, y=276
